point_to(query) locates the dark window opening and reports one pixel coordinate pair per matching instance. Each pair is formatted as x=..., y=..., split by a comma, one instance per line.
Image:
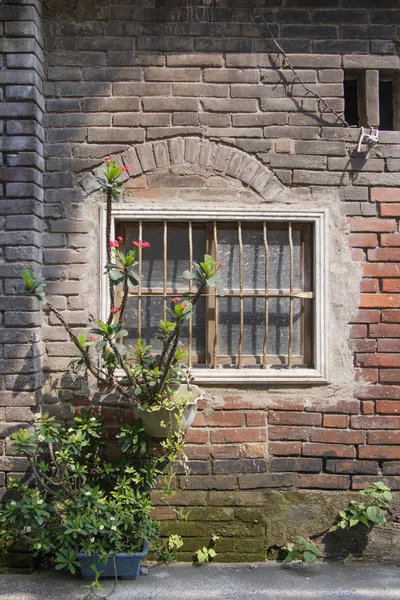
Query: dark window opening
x=351, y=102
x=386, y=105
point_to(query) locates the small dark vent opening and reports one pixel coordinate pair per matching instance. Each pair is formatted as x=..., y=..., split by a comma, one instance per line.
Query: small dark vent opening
x=386, y=105
x=351, y=102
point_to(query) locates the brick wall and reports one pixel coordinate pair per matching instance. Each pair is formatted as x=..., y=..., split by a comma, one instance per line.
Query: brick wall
x=271, y=460
x=21, y=214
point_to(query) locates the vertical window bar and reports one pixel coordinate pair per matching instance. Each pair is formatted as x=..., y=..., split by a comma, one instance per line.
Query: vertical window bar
x=240, y=344
x=190, y=324
x=139, y=305
x=215, y=349
x=290, y=345
x=165, y=270
x=266, y=296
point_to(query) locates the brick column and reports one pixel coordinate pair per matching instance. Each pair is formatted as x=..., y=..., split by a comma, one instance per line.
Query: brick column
x=21, y=201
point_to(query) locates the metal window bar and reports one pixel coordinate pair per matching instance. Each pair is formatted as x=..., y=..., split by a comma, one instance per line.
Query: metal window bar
x=215, y=348
x=139, y=300
x=290, y=344
x=190, y=322
x=266, y=308
x=241, y=315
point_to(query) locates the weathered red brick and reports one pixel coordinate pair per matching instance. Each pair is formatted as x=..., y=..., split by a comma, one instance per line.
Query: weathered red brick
x=336, y=421
x=294, y=418
x=284, y=448
x=378, y=391
x=359, y=482
x=198, y=451
x=275, y=432
x=379, y=300
x=384, y=254
x=337, y=436
x=392, y=345
x=239, y=466
x=366, y=360
x=196, y=436
x=391, y=285
x=364, y=374
x=364, y=345
x=391, y=468
x=352, y=466
x=358, y=254
x=368, y=407
x=243, y=434
x=225, y=450
x=256, y=419
x=390, y=239
x=390, y=376
x=363, y=240
x=374, y=422
x=382, y=194
x=304, y=465
x=384, y=330
x=367, y=316
x=332, y=450
x=386, y=436
x=209, y=482
x=243, y=403
x=358, y=331
x=336, y=406
x=287, y=404
x=391, y=316
x=219, y=419
x=369, y=285
x=379, y=452
x=381, y=270
x=391, y=407
x=372, y=224
x=323, y=482
x=267, y=480
x=390, y=210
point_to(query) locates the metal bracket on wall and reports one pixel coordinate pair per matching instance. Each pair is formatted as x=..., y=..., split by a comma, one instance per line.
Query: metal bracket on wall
x=369, y=139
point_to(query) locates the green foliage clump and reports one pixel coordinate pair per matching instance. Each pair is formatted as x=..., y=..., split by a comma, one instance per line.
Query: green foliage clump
x=302, y=549
x=369, y=513
x=77, y=500
x=205, y=555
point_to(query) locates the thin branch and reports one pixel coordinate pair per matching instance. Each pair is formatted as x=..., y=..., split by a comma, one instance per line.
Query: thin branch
x=297, y=77
x=95, y=371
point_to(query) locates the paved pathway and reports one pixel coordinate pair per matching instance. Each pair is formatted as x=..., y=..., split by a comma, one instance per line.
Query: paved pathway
x=263, y=581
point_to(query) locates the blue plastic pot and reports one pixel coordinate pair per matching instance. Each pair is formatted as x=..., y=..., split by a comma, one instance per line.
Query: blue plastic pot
x=127, y=565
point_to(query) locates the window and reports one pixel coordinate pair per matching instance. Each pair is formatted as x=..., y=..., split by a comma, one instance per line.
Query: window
x=371, y=99
x=268, y=324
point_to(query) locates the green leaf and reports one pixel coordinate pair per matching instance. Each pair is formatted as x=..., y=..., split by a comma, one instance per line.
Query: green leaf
x=309, y=557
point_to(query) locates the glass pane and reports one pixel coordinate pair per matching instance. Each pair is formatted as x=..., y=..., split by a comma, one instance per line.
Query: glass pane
x=254, y=326
x=152, y=312
x=278, y=326
x=254, y=258
x=279, y=259
x=177, y=253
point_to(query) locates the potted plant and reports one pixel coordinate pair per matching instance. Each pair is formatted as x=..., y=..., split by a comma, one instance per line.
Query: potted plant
x=78, y=507
x=157, y=385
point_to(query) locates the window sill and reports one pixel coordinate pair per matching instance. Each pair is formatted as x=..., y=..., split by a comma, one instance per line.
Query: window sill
x=258, y=376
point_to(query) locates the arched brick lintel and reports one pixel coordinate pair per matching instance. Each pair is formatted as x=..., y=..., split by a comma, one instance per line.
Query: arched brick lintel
x=179, y=151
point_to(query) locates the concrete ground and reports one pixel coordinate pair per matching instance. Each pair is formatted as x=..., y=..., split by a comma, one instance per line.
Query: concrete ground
x=262, y=581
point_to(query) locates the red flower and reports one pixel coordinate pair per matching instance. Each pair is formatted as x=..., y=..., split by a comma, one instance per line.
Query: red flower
x=120, y=239
x=184, y=305
x=175, y=299
x=114, y=244
x=221, y=264
x=91, y=337
x=141, y=244
x=124, y=168
x=115, y=310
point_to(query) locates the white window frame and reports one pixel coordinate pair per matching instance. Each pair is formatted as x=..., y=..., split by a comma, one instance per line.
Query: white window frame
x=317, y=217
